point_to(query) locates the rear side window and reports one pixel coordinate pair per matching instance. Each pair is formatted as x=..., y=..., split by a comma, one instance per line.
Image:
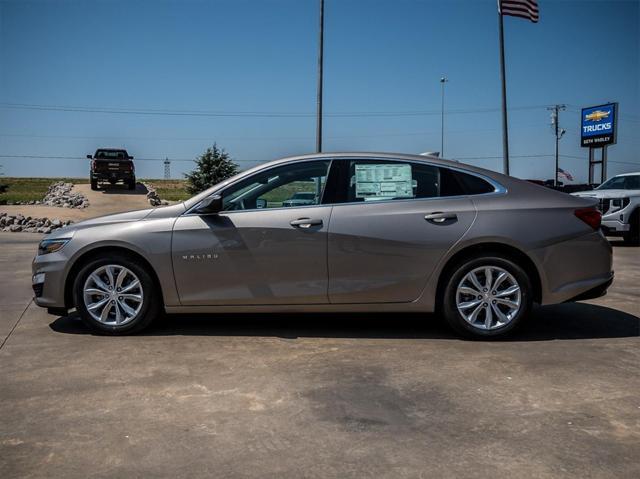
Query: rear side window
x=472, y=185
x=376, y=180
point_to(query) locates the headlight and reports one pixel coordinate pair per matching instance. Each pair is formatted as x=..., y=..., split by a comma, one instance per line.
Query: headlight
x=52, y=245
x=620, y=202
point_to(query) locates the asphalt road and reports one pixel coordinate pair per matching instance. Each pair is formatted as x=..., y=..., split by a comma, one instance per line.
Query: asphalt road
x=324, y=396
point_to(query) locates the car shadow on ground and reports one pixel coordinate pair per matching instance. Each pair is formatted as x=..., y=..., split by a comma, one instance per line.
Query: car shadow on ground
x=564, y=321
x=123, y=189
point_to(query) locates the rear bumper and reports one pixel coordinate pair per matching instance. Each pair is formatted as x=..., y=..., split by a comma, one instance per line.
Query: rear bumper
x=110, y=176
x=574, y=267
x=593, y=293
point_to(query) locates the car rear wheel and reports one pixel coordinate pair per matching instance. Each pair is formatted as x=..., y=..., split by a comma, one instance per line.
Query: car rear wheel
x=94, y=184
x=132, y=184
x=115, y=295
x=487, y=297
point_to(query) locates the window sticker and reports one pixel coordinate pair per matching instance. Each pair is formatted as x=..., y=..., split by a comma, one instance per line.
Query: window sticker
x=383, y=181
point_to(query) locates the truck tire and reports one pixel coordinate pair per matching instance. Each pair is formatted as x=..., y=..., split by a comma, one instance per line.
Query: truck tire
x=94, y=184
x=132, y=184
x=632, y=237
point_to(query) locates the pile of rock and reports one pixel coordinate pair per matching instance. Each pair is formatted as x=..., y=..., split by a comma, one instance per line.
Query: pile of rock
x=59, y=194
x=27, y=224
x=152, y=196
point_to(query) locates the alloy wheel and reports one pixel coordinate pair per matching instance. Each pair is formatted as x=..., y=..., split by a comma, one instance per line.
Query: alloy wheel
x=113, y=295
x=488, y=297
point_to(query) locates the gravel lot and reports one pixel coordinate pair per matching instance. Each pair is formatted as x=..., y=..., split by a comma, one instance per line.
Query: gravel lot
x=325, y=396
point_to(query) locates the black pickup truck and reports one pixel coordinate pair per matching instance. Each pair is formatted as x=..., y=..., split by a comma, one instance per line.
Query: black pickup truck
x=112, y=165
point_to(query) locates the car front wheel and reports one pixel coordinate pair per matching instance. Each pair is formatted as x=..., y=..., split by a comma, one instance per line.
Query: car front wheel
x=487, y=297
x=115, y=295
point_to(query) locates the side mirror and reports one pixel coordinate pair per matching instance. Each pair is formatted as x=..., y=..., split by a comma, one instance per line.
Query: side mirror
x=89, y=157
x=261, y=203
x=131, y=157
x=210, y=205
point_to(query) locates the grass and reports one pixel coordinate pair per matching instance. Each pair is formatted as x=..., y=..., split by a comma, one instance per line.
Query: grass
x=170, y=190
x=30, y=189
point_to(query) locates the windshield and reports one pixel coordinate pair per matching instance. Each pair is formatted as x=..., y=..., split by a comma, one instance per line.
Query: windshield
x=111, y=155
x=631, y=182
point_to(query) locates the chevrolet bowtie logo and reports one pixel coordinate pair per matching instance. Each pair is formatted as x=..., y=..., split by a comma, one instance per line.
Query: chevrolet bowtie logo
x=597, y=115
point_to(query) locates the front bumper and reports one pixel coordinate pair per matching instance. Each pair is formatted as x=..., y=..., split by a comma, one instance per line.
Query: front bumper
x=614, y=225
x=48, y=279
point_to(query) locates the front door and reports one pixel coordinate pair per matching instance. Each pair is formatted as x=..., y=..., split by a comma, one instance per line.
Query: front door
x=268, y=245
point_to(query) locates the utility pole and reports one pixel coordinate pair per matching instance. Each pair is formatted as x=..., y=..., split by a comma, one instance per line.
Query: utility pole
x=558, y=132
x=443, y=80
x=320, y=64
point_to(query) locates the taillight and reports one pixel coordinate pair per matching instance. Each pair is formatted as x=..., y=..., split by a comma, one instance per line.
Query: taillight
x=93, y=164
x=591, y=216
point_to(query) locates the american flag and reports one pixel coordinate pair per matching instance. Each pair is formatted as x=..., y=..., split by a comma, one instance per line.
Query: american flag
x=520, y=8
x=566, y=174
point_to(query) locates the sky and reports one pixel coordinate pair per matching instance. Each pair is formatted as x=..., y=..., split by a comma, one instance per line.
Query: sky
x=169, y=78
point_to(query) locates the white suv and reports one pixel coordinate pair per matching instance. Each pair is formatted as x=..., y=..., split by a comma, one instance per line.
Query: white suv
x=620, y=206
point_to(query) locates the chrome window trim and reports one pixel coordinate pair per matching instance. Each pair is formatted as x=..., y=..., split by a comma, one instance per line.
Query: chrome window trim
x=499, y=189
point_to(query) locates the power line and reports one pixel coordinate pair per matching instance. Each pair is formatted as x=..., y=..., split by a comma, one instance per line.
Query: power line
x=249, y=114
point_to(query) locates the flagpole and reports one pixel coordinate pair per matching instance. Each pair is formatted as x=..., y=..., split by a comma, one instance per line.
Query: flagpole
x=320, y=65
x=505, y=132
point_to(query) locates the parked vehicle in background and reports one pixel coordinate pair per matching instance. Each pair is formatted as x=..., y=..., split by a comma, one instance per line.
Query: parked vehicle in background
x=387, y=232
x=300, y=198
x=112, y=165
x=619, y=201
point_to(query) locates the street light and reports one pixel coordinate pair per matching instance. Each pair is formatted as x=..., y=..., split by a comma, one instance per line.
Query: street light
x=443, y=80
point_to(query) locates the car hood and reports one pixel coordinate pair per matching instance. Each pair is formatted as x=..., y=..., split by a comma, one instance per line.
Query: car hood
x=68, y=231
x=603, y=194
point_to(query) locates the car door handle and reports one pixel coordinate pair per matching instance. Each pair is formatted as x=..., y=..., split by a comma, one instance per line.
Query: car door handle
x=305, y=223
x=440, y=217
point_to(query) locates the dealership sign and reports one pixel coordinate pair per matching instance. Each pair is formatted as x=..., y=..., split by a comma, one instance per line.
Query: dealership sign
x=598, y=125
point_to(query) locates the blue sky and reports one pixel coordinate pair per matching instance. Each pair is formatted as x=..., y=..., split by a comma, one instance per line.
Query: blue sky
x=238, y=56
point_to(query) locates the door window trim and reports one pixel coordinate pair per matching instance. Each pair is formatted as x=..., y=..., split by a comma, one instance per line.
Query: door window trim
x=499, y=189
x=191, y=211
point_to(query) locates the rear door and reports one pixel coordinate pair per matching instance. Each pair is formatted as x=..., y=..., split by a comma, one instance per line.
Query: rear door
x=391, y=229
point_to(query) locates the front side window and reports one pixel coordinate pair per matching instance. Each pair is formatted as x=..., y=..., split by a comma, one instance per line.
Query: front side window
x=296, y=184
x=375, y=180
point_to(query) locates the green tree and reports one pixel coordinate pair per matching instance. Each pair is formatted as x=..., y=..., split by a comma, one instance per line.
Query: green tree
x=212, y=167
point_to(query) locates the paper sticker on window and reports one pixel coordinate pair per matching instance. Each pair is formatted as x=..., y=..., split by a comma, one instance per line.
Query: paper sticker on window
x=378, y=181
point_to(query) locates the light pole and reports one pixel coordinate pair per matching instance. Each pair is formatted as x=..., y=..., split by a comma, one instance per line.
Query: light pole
x=443, y=80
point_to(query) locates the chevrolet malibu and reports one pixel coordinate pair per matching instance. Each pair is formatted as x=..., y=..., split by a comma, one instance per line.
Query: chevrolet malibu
x=380, y=232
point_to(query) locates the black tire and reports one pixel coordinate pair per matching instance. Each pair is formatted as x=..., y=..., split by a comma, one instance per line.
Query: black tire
x=132, y=184
x=632, y=237
x=150, y=309
x=94, y=184
x=455, y=318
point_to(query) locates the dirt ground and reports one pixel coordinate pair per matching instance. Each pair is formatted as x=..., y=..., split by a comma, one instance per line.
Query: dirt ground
x=101, y=202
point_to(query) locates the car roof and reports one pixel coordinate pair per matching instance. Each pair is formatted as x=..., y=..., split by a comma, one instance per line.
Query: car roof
x=633, y=173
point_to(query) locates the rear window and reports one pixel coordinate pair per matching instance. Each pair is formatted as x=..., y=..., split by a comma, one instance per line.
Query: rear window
x=111, y=155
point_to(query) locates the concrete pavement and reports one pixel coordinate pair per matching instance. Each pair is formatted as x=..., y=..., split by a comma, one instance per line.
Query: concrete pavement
x=327, y=396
